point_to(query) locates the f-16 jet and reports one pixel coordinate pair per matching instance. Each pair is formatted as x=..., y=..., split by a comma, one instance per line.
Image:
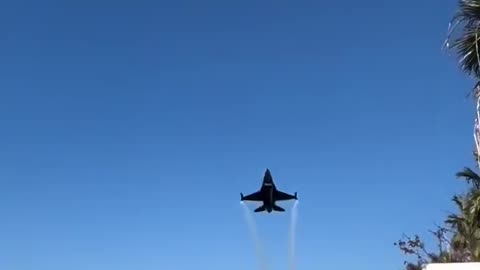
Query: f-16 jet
x=268, y=194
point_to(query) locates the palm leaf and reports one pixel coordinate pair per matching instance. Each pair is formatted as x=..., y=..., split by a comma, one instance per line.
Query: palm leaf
x=470, y=176
x=468, y=10
x=467, y=45
x=459, y=201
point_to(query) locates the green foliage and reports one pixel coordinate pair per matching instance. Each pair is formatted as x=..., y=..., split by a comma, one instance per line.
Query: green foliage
x=459, y=240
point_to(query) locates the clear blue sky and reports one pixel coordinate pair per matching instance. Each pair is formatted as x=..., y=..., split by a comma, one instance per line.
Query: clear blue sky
x=128, y=129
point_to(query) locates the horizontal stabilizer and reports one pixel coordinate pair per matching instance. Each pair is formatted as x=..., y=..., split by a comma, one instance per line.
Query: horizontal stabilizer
x=278, y=208
x=260, y=209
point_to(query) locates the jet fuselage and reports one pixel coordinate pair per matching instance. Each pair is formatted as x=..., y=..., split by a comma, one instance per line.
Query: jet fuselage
x=268, y=194
x=267, y=191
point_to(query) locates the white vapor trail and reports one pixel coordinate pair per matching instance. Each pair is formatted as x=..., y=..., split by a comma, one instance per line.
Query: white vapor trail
x=293, y=225
x=253, y=231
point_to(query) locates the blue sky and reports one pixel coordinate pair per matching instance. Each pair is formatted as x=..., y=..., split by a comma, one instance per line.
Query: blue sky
x=128, y=129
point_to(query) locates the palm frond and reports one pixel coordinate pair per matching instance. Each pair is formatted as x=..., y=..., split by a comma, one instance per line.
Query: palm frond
x=468, y=10
x=474, y=208
x=459, y=201
x=470, y=176
x=467, y=22
x=467, y=48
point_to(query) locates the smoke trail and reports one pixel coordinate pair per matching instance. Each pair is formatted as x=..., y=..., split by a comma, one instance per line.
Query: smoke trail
x=293, y=225
x=262, y=263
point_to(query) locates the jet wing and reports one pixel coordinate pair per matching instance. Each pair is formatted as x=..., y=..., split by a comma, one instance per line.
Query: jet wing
x=257, y=196
x=282, y=196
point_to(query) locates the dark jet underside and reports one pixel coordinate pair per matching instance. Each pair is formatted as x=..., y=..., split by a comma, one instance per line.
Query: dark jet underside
x=268, y=194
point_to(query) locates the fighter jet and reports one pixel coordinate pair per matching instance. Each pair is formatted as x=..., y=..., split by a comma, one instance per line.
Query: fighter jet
x=268, y=194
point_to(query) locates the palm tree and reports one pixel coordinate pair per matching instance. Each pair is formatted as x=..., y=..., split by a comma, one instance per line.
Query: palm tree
x=464, y=39
x=465, y=25
x=467, y=223
x=466, y=226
